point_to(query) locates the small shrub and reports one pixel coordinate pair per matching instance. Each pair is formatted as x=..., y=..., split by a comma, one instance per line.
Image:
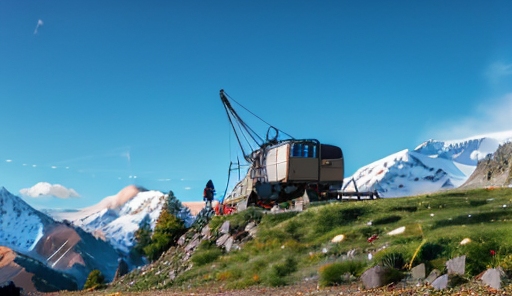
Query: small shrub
x=332, y=274
x=394, y=260
x=293, y=228
x=387, y=220
x=478, y=254
x=95, y=280
x=430, y=251
x=279, y=271
x=207, y=256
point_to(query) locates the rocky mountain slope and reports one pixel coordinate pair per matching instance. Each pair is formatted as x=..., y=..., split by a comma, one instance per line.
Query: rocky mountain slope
x=493, y=171
x=32, y=275
x=432, y=166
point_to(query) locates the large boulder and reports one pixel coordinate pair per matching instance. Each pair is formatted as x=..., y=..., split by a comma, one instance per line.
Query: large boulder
x=456, y=265
x=418, y=272
x=378, y=276
x=440, y=283
x=434, y=274
x=492, y=277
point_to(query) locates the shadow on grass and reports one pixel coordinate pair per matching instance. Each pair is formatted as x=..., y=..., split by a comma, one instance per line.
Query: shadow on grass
x=474, y=219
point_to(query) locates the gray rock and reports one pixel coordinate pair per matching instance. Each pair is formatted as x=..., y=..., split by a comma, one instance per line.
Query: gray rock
x=228, y=244
x=456, y=265
x=206, y=232
x=440, y=283
x=181, y=240
x=375, y=277
x=192, y=245
x=222, y=240
x=492, y=278
x=253, y=232
x=418, y=272
x=224, y=229
x=250, y=226
x=434, y=274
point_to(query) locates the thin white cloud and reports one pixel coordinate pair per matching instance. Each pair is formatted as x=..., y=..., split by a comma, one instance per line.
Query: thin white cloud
x=187, y=188
x=54, y=167
x=163, y=180
x=39, y=24
x=8, y=160
x=492, y=116
x=497, y=71
x=34, y=165
x=46, y=189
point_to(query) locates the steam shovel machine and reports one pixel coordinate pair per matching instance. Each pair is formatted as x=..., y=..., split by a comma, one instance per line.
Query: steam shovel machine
x=291, y=170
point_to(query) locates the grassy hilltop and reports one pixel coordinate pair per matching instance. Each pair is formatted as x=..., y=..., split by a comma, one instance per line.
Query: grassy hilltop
x=296, y=247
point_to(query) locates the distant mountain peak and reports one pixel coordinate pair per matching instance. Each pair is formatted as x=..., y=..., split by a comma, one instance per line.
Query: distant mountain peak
x=432, y=166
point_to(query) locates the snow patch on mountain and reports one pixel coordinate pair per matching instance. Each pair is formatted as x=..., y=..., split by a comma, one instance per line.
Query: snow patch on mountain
x=431, y=167
x=20, y=225
x=117, y=218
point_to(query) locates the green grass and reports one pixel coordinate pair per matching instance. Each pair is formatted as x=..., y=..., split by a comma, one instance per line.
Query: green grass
x=290, y=246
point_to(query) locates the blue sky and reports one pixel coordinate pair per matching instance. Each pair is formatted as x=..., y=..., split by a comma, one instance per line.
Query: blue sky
x=105, y=90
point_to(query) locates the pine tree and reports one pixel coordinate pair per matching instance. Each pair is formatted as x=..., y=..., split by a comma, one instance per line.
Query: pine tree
x=167, y=230
x=143, y=235
x=94, y=280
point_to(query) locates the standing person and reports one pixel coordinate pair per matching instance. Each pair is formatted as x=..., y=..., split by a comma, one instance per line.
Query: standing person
x=208, y=193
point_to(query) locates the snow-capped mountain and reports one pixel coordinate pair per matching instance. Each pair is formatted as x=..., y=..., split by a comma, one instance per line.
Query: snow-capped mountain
x=116, y=218
x=56, y=245
x=21, y=227
x=432, y=166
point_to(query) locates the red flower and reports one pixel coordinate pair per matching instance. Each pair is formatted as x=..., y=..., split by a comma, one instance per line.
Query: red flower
x=372, y=238
x=493, y=253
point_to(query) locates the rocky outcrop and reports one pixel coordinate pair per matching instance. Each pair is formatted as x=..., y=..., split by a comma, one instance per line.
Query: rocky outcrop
x=493, y=171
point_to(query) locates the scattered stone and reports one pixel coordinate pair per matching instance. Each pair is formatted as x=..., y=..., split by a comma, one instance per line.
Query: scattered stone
x=9, y=289
x=434, y=274
x=228, y=244
x=172, y=275
x=492, y=278
x=338, y=238
x=467, y=240
x=206, y=232
x=181, y=240
x=222, y=240
x=375, y=277
x=253, y=232
x=352, y=253
x=440, y=283
x=418, y=272
x=399, y=230
x=192, y=245
x=196, y=236
x=250, y=226
x=122, y=269
x=224, y=229
x=456, y=265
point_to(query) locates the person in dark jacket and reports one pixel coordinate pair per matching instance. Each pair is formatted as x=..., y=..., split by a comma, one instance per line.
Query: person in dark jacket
x=208, y=193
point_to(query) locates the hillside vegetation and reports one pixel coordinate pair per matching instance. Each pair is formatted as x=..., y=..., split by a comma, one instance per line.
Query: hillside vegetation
x=294, y=247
